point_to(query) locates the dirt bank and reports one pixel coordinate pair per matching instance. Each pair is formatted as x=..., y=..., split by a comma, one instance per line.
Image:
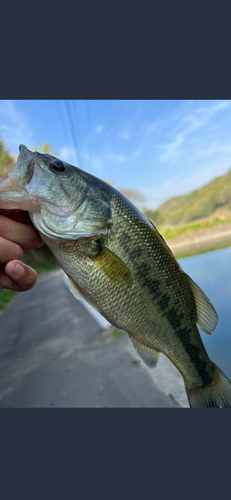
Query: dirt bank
x=200, y=241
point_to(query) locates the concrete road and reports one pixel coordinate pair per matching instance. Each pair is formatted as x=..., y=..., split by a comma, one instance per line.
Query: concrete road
x=53, y=353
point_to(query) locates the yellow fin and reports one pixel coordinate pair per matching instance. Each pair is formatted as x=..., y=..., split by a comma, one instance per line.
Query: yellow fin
x=149, y=356
x=207, y=318
x=112, y=266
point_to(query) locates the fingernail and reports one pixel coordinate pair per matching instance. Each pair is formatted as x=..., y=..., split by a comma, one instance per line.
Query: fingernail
x=18, y=270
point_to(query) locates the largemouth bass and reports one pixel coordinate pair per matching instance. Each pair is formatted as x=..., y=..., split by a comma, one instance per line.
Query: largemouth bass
x=117, y=261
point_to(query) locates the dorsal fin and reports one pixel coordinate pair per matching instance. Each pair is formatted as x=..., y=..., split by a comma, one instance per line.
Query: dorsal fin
x=149, y=356
x=207, y=318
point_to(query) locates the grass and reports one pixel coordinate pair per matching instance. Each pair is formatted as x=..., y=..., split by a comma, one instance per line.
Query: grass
x=5, y=297
x=117, y=334
x=136, y=362
x=173, y=232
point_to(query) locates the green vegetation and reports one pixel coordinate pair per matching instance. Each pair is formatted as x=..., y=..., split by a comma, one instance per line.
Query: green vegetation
x=117, y=334
x=204, y=208
x=45, y=148
x=6, y=161
x=5, y=297
x=200, y=203
x=41, y=259
x=136, y=362
x=173, y=232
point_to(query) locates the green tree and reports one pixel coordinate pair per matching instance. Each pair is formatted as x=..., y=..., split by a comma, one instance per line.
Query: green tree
x=6, y=161
x=45, y=148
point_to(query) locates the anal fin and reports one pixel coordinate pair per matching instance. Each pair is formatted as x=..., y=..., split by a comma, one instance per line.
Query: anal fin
x=149, y=356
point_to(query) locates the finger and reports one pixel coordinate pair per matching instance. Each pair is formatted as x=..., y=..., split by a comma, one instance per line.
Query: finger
x=16, y=214
x=24, y=235
x=9, y=251
x=18, y=276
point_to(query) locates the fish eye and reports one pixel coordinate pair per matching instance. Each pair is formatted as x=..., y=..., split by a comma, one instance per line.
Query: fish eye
x=57, y=166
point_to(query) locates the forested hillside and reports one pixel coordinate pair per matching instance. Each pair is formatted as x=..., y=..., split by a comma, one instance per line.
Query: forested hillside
x=211, y=201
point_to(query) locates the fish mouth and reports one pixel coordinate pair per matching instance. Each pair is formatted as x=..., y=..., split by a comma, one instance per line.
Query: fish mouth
x=27, y=194
x=14, y=196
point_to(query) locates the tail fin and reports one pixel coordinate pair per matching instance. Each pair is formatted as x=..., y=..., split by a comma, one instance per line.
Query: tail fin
x=215, y=395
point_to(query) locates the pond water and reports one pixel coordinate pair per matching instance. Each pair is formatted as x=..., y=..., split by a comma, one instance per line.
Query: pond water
x=212, y=272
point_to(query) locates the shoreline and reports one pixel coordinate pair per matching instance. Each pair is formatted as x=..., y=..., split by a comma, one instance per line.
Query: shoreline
x=200, y=241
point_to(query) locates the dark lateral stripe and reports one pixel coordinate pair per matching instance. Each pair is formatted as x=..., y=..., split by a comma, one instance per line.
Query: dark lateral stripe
x=175, y=318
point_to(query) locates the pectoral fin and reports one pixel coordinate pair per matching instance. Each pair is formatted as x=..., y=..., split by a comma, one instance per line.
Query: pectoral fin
x=112, y=266
x=207, y=318
x=149, y=356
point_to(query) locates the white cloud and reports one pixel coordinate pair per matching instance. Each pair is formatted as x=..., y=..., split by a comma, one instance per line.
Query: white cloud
x=188, y=125
x=100, y=163
x=97, y=164
x=172, y=149
x=213, y=149
x=93, y=162
x=99, y=129
x=124, y=134
x=68, y=154
x=213, y=109
x=114, y=157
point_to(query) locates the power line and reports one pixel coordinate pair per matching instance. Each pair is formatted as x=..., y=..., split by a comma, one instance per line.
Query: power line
x=77, y=123
x=73, y=134
x=89, y=130
x=63, y=122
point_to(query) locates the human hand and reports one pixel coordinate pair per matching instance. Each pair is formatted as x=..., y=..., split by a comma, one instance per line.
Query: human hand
x=16, y=235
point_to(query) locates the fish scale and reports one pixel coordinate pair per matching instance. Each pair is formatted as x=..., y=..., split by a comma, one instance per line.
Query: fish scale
x=158, y=318
x=116, y=260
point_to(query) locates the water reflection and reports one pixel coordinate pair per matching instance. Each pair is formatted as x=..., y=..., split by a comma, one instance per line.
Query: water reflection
x=212, y=272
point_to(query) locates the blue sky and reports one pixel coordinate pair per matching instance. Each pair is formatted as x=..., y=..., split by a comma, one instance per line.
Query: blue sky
x=160, y=148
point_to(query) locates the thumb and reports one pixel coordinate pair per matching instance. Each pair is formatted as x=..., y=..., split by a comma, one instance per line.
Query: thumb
x=21, y=276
